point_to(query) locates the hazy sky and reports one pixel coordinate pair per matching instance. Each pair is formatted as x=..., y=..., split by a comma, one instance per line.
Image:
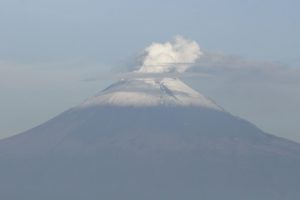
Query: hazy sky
x=48, y=47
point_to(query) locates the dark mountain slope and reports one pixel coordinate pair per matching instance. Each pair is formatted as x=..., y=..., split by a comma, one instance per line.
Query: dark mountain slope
x=161, y=152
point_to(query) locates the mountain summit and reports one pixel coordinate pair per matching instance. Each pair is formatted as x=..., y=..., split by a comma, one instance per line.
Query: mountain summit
x=150, y=92
x=148, y=138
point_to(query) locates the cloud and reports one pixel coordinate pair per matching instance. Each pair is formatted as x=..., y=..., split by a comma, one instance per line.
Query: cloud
x=236, y=67
x=174, y=56
x=180, y=56
x=211, y=61
x=183, y=58
x=14, y=75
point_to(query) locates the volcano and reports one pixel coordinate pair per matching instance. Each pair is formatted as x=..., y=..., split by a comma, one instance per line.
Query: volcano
x=148, y=138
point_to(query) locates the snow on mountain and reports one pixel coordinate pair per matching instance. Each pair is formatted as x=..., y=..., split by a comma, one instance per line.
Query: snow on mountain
x=150, y=92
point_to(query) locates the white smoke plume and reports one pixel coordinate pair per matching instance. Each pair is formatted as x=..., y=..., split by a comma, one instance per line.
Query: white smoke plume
x=174, y=56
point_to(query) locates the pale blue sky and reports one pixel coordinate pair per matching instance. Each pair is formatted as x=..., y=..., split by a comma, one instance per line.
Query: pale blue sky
x=47, y=47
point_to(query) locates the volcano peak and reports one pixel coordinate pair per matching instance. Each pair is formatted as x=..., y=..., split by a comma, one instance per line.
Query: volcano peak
x=150, y=92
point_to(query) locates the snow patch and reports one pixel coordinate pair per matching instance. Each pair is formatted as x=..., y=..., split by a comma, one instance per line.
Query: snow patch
x=150, y=92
